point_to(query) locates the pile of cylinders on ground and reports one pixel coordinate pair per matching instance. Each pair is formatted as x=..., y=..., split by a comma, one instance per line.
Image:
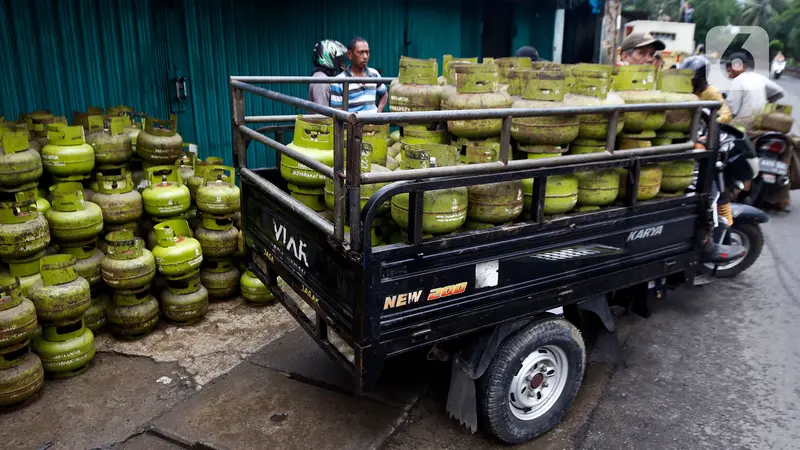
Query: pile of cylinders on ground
x=107, y=224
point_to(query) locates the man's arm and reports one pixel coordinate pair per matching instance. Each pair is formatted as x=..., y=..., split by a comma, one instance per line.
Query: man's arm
x=735, y=98
x=774, y=91
x=712, y=94
x=383, y=94
x=336, y=96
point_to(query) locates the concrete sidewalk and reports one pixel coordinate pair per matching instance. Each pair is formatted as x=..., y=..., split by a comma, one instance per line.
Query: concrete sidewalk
x=211, y=386
x=209, y=390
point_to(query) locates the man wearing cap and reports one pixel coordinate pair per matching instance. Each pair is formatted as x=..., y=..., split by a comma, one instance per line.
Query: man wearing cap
x=639, y=48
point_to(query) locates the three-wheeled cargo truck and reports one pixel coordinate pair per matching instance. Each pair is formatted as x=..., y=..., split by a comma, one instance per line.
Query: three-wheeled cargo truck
x=507, y=303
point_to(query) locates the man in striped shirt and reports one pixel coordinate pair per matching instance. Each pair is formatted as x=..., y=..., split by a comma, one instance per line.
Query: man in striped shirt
x=362, y=96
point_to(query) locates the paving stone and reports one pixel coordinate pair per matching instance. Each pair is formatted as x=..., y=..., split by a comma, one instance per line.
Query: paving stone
x=403, y=379
x=147, y=442
x=103, y=405
x=253, y=407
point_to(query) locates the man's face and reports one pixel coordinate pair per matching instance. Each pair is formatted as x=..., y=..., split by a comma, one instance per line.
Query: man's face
x=359, y=56
x=642, y=55
x=735, y=69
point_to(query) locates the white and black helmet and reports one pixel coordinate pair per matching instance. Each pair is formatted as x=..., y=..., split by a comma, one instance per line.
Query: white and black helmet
x=329, y=54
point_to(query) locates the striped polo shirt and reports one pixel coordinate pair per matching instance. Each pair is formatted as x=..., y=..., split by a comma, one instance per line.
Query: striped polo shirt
x=363, y=97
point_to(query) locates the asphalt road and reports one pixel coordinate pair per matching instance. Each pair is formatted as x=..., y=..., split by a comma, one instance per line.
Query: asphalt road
x=716, y=366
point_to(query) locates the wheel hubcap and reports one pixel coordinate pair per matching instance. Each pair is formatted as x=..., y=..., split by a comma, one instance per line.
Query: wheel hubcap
x=539, y=383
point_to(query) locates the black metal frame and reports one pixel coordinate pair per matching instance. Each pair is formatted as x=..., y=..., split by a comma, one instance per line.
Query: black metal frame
x=360, y=327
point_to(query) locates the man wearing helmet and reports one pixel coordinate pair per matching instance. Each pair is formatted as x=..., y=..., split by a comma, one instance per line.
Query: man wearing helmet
x=328, y=57
x=702, y=89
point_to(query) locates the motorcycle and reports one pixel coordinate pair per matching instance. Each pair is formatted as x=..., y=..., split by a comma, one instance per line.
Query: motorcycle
x=776, y=69
x=738, y=163
x=773, y=171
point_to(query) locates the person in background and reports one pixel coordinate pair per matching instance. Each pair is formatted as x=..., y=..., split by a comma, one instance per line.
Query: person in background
x=530, y=52
x=701, y=87
x=750, y=91
x=687, y=13
x=779, y=57
x=328, y=57
x=639, y=48
x=362, y=96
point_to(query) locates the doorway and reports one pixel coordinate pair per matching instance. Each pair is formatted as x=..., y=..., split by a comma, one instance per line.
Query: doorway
x=498, y=26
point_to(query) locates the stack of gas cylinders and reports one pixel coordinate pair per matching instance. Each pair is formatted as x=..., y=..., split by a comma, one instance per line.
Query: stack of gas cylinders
x=107, y=224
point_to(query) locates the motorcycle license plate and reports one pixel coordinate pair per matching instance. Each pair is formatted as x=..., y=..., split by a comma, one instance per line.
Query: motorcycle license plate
x=773, y=166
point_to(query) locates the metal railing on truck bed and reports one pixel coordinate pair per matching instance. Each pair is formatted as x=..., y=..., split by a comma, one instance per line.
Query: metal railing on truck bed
x=340, y=288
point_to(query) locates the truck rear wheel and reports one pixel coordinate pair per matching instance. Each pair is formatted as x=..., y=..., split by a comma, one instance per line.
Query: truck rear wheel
x=532, y=380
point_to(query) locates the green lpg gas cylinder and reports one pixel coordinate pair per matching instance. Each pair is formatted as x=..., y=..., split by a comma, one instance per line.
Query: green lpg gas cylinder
x=677, y=88
x=596, y=187
x=177, y=255
x=592, y=88
x=22, y=378
x=132, y=314
x=220, y=278
x=159, y=142
x=649, y=182
x=19, y=163
x=517, y=80
x=25, y=269
x=127, y=264
x=677, y=175
x=133, y=227
x=110, y=141
x=117, y=198
x=417, y=88
x=217, y=236
x=40, y=122
x=444, y=210
x=544, y=90
x=477, y=88
x=188, y=305
x=255, y=291
x=17, y=315
x=561, y=191
x=67, y=153
x=198, y=179
x=636, y=84
x=314, y=138
x=313, y=197
x=20, y=126
x=151, y=239
x=166, y=195
x=65, y=350
x=71, y=218
x=492, y=203
x=87, y=259
x=219, y=195
x=61, y=295
x=95, y=317
x=23, y=230
x=506, y=65
x=463, y=143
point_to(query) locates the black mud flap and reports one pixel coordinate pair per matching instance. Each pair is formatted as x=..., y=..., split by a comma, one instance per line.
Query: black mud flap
x=469, y=364
x=607, y=347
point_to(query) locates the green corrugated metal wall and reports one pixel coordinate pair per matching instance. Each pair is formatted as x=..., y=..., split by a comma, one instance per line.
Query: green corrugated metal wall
x=68, y=55
x=71, y=54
